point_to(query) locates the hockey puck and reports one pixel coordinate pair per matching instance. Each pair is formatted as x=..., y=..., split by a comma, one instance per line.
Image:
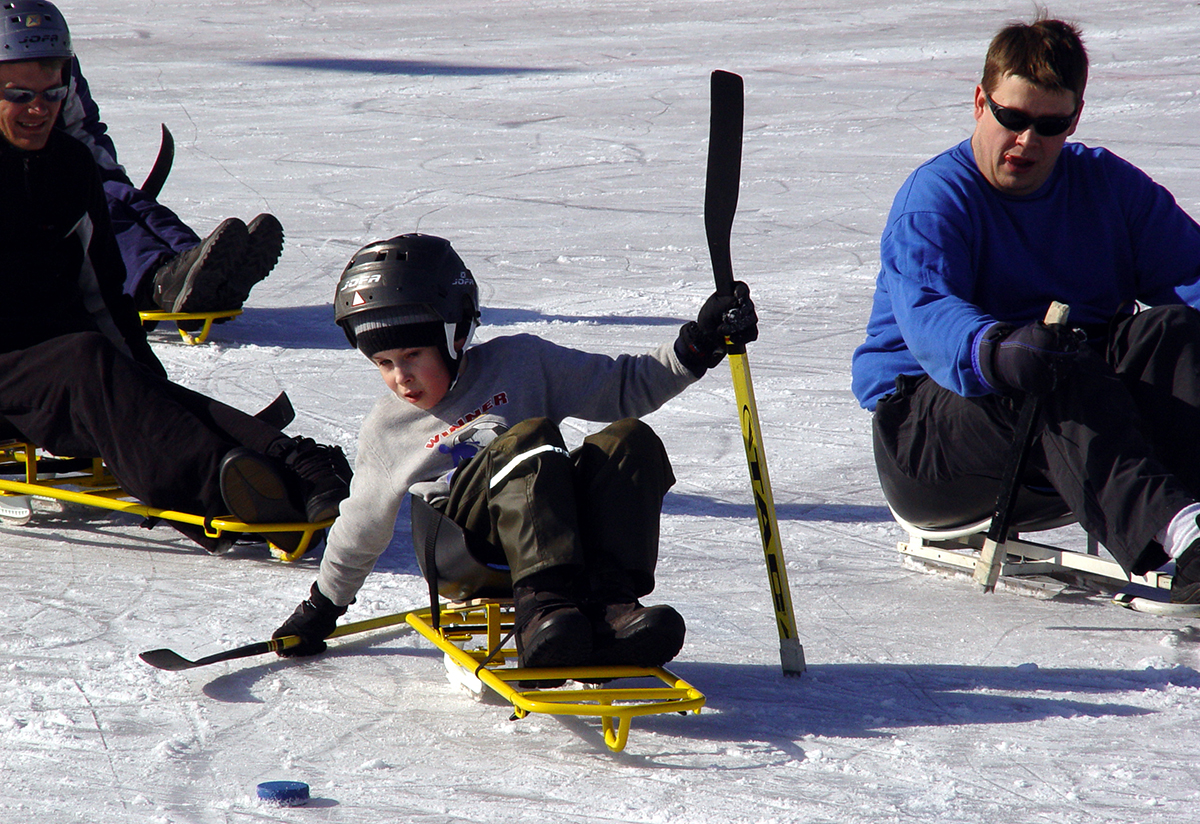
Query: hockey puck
x=284, y=793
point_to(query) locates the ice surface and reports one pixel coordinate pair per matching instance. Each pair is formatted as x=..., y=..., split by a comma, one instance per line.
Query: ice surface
x=561, y=147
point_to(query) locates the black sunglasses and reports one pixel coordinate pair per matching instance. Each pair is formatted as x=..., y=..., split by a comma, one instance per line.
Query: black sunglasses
x=1016, y=121
x=23, y=97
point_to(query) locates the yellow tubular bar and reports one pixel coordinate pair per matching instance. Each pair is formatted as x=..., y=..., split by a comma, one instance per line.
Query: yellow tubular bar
x=190, y=338
x=615, y=706
x=99, y=489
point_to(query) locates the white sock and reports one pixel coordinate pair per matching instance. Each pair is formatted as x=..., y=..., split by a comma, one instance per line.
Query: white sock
x=1182, y=532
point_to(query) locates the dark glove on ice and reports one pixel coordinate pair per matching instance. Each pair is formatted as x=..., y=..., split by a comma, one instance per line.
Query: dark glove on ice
x=1028, y=359
x=313, y=621
x=701, y=343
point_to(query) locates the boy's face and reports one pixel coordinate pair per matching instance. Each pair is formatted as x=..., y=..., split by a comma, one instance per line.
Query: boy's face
x=417, y=375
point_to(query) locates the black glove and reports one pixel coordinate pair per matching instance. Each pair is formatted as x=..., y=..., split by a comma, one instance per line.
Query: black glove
x=701, y=343
x=1028, y=359
x=313, y=621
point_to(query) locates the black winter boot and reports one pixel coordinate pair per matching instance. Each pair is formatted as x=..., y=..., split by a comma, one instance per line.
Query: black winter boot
x=323, y=472
x=626, y=633
x=194, y=280
x=1185, y=583
x=264, y=244
x=255, y=489
x=550, y=628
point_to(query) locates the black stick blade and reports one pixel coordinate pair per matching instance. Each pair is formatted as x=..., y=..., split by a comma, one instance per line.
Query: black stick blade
x=166, y=659
x=724, y=172
x=162, y=165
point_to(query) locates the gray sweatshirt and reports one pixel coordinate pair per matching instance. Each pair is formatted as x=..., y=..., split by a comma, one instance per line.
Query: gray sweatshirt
x=504, y=381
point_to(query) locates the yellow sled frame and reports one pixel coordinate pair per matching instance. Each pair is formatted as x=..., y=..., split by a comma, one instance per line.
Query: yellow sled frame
x=469, y=631
x=97, y=487
x=190, y=338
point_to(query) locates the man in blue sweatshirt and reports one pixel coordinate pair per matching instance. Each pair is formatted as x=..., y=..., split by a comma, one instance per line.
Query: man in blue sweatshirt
x=980, y=240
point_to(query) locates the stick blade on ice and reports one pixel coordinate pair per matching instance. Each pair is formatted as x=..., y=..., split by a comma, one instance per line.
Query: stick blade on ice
x=165, y=659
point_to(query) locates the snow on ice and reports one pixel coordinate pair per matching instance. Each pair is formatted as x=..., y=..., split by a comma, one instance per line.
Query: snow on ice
x=561, y=147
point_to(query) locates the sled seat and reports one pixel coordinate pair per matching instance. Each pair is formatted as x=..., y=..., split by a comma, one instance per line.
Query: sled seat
x=186, y=322
x=1030, y=564
x=28, y=473
x=474, y=632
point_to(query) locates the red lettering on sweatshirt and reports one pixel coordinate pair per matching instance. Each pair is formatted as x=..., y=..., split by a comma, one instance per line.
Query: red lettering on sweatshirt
x=499, y=399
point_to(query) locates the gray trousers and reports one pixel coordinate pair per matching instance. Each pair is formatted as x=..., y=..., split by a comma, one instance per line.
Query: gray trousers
x=526, y=501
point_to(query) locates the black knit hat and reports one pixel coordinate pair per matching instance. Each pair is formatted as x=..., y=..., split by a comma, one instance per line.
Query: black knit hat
x=398, y=327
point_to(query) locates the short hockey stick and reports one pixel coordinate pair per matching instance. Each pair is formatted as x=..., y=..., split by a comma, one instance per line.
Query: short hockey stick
x=720, y=205
x=991, y=559
x=165, y=659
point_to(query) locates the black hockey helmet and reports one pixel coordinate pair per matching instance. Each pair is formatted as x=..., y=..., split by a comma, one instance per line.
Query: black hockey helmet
x=410, y=290
x=33, y=30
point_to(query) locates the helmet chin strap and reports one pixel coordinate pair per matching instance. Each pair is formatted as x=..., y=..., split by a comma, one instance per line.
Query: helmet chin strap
x=451, y=328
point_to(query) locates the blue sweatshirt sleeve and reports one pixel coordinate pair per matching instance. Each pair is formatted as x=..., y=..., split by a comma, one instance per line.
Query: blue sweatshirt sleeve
x=927, y=263
x=926, y=318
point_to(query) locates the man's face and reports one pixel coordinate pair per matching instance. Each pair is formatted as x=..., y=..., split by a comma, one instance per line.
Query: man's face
x=27, y=125
x=1017, y=163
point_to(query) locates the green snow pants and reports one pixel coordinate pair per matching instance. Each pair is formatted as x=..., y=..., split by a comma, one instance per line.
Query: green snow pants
x=526, y=501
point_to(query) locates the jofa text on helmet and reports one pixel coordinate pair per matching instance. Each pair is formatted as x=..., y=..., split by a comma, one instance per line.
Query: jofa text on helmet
x=361, y=281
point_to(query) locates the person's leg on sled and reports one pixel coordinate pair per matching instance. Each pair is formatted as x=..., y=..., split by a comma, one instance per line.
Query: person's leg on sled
x=166, y=445
x=1117, y=441
x=622, y=473
x=575, y=592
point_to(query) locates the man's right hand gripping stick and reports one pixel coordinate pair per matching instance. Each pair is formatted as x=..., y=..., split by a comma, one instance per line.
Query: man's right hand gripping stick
x=991, y=559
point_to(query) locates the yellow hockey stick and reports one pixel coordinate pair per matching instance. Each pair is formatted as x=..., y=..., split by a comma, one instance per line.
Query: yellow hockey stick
x=720, y=205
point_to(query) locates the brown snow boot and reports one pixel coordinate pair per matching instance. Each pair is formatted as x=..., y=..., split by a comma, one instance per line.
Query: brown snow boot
x=550, y=628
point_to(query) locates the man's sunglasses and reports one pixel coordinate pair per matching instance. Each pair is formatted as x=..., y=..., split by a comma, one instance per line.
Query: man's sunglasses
x=1016, y=121
x=23, y=97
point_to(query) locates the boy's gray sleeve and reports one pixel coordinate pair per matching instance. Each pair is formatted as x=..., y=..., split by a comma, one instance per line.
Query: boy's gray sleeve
x=363, y=528
x=608, y=389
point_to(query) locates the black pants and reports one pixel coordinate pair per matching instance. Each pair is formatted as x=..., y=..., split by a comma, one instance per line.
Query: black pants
x=1118, y=440
x=77, y=395
x=525, y=501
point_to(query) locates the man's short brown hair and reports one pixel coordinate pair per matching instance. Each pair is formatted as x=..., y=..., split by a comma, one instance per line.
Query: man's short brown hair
x=1047, y=53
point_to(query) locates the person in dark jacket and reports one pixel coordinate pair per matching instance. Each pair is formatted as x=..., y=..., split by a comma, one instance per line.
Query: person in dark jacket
x=77, y=376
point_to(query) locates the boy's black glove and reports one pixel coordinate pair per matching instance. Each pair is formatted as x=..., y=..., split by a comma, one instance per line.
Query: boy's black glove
x=314, y=620
x=701, y=343
x=1028, y=359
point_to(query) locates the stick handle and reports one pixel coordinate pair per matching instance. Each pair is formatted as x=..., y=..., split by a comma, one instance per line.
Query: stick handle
x=1057, y=314
x=991, y=558
x=166, y=659
x=720, y=205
